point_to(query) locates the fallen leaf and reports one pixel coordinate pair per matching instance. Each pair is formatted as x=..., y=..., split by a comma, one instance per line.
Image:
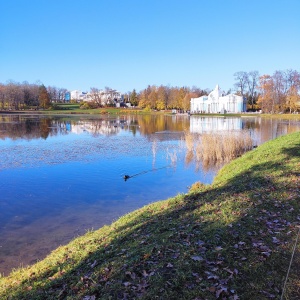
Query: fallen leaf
x=89, y=298
x=220, y=291
x=197, y=258
x=126, y=284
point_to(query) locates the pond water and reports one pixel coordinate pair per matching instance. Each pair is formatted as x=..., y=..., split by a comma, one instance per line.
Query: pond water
x=62, y=176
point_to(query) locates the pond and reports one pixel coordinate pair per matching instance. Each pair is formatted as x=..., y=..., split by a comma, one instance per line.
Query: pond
x=61, y=176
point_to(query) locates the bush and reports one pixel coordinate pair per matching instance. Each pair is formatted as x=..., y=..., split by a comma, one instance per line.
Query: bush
x=88, y=105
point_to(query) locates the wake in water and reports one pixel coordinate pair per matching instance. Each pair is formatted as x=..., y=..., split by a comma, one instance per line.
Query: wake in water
x=126, y=177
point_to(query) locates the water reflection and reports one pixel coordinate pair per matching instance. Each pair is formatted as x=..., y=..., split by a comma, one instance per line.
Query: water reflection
x=60, y=176
x=34, y=127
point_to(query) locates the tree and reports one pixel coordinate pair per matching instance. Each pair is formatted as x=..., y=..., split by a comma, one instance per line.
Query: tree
x=52, y=92
x=266, y=97
x=61, y=93
x=198, y=92
x=292, y=79
x=14, y=94
x=187, y=100
x=292, y=99
x=241, y=79
x=279, y=90
x=144, y=97
x=96, y=96
x=44, y=97
x=31, y=94
x=2, y=95
x=252, y=82
x=162, y=98
x=152, y=97
x=133, y=98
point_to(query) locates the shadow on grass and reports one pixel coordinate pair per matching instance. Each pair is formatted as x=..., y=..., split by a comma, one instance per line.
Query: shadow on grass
x=225, y=241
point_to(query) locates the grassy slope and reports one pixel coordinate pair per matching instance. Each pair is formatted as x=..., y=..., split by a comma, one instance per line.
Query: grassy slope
x=230, y=240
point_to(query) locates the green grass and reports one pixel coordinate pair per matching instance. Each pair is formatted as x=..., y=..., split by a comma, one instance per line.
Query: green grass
x=232, y=239
x=67, y=105
x=75, y=109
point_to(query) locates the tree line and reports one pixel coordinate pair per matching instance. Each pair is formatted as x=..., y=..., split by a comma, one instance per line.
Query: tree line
x=270, y=93
x=165, y=97
x=15, y=96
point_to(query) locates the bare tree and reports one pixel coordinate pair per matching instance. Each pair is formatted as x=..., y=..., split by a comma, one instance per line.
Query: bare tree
x=61, y=93
x=279, y=90
x=14, y=95
x=31, y=94
x=53, y=93
x=2, y=95
x=241, y=79
x=96, y=95
x=252, y=82
x=292, y=79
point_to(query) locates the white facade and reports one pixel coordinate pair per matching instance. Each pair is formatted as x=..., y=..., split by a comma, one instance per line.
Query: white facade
x=106, y=97
x=80, y=96
x=218, y=102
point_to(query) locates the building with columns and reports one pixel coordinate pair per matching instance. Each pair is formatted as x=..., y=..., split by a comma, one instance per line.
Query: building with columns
x=218, y=102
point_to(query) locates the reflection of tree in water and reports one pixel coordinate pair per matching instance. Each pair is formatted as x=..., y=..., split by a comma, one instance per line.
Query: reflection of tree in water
x=45, y=125
x=25, y=127
x=29, y=125
x=155, y=123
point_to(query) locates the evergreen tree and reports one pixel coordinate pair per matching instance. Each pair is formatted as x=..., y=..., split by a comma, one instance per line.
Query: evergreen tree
x=44, y=97
x=134, y=98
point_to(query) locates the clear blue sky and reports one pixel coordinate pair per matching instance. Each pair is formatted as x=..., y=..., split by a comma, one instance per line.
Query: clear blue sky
x=127, y=44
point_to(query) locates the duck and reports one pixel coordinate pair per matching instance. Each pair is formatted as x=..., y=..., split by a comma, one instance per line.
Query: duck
x=126, y=177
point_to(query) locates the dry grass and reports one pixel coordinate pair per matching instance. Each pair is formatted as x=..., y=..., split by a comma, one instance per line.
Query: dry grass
x=172, y=156
x=216, y=148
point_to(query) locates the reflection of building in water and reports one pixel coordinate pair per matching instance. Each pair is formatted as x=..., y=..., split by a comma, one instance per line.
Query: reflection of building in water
x=101, y=127
x=218, y=102
x=206, y=124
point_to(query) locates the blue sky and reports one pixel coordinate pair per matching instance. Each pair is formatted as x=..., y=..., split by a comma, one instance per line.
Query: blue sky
x=127, y=44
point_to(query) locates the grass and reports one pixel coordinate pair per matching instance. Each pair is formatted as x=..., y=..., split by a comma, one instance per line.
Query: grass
x=75, y=109
x=232, y=239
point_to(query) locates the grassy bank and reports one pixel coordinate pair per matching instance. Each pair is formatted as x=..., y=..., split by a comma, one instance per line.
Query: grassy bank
x=233, y=239
x=74, y=109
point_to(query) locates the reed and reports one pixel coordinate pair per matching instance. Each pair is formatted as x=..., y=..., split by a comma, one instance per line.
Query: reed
x=213, y=149
x=172, y=156
x=189, y=140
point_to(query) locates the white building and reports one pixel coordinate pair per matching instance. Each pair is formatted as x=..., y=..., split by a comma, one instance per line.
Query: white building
x=106, y=97
x=80, y=96
x=218, y=102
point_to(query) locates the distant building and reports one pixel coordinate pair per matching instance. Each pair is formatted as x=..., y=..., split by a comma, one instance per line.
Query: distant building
x=106, y=97
x=67, y=97
x=218, y=102
x=80, y=96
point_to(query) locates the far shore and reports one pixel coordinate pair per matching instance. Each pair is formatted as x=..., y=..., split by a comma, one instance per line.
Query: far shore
x=128, y=111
